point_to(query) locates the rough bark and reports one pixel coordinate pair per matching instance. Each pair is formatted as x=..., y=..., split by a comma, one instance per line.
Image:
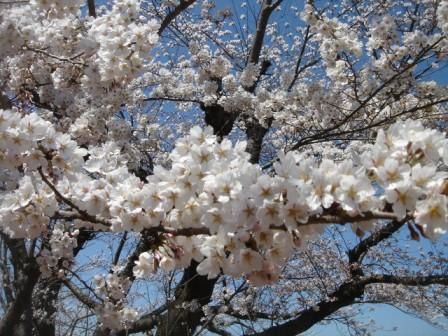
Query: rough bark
x=221, y=120
x=91, y=7
x=193, y=287
x=255, y=132
x=44, y=304
x=4, y=102
x=26, y=274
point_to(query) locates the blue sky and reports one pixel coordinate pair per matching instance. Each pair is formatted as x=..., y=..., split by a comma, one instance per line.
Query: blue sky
x=389, y=320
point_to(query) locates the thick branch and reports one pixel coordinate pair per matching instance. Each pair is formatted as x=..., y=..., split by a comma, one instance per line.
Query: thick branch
x=146, y=322
x=254, y=130
x=353, y=288
x=79, y=295
x=5, y=103
x=91, y=6
x=26, y=275
x=262, y=23
x=330, y=217
x=192, y=287
x=356, y=254
x=345, y=295
x=416, y=280
x=144, y=244
x=119, y=249
x=183, y=5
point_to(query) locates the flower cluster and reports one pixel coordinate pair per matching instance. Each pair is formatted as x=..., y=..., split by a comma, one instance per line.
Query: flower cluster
x=77, y=67
x=404, y=163
x=100, y=99
x=442, y=15
x=255, y=220
x=61, y=245
x=123, y=42
x=213, y=205
x=30, y=143
x=334, y=36
x=383, y=34
x=112, y=313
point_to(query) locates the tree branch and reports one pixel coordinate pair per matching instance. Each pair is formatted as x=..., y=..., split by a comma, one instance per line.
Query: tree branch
x=91, y=7
x=345, y=295
x=262, y=23
x=119, y=248
x=417, y=280
x=351, y=289
x=356, y=254
x=299, y=60
x=183, y=5
x=374, y=93
x=26, y=274
x=146, y=322
x=79, y=295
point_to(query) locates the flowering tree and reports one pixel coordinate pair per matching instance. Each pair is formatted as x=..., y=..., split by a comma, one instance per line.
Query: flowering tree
x=219, y=152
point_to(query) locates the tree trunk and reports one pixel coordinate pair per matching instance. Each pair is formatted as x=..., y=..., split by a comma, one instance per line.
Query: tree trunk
x=179, y=321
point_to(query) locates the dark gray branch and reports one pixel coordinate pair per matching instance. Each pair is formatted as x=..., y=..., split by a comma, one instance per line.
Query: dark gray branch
x=79, y=295
x=26, y=274
x=91, y=7
x=192, y=287
x=417, y=280
x=119, y=248
x=356, y=254
x=346, y=295
x=183, y=5
x=266, y=11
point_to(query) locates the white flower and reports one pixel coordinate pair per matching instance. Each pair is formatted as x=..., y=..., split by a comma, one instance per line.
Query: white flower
x=246, y=210
x=249, y=259
x=95, y=202
x=191, y=213
x=209, y=266
x=403, y=197
x=35, y=127
x=392, y=171
x=167, y=263
x=267, y=275
x=128, y=314
x=213, y=250
x=431, y=213
x=287, y=165
x=353, y=191
x=422, y=175
x=224, y=187
x=200, y=136
x=268, y=214
x=134, y=221
x=145, y=266
x=35, y=159
x=265, y=189
x=294, y=213
x=249, y=74
x=321, y=193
